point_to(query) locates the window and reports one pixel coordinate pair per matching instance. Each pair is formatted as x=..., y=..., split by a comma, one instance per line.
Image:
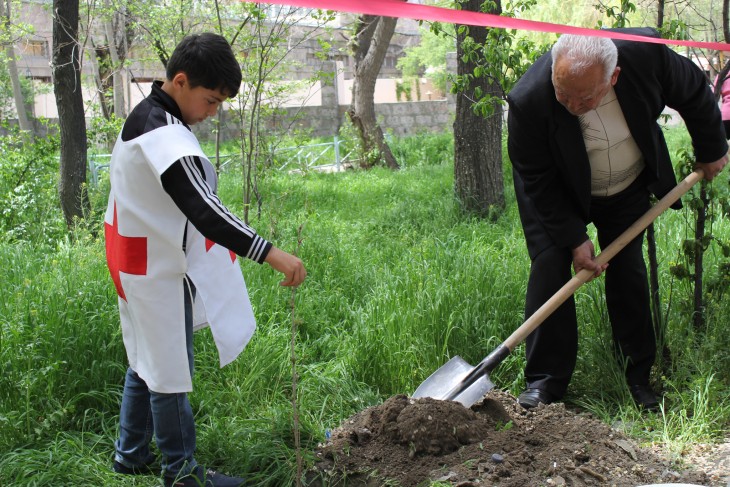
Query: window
x=36, y=48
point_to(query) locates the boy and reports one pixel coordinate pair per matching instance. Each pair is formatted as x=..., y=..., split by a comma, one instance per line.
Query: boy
x=170, y=247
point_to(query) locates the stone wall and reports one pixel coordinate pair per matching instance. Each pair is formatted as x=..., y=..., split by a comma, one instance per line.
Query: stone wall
x=400, y=119
x=405, y=118
x=412, y=117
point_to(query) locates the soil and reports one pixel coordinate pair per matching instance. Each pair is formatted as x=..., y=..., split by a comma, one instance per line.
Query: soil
x=411, y=442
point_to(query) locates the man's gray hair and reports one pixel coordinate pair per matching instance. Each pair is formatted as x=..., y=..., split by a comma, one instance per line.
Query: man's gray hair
x=584, y=52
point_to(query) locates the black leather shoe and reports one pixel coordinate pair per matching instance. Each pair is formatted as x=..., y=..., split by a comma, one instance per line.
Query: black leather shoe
x=532, y=397
x=644, y=397
x=200, y=477
x=141, y=470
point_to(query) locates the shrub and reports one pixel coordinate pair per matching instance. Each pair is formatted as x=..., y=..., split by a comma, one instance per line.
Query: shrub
x=30, y=208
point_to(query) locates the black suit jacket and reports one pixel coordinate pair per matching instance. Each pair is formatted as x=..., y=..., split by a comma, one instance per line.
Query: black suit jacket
x=546, y=148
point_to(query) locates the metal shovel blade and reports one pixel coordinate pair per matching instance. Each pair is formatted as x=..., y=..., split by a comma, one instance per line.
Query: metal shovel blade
x=441, y=382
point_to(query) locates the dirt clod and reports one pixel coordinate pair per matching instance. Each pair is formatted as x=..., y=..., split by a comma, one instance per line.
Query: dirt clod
x=409, y=442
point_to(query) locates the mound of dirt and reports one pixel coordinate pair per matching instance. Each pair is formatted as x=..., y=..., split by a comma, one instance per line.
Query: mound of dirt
x=496, y=442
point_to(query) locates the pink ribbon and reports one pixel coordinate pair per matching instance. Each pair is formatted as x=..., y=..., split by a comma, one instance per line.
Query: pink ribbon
x=398, y=8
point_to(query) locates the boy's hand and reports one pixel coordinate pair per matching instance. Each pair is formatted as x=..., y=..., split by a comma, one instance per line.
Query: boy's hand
x=289, y=265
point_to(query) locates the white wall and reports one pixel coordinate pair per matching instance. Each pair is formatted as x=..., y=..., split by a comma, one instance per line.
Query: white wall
x=306, y=96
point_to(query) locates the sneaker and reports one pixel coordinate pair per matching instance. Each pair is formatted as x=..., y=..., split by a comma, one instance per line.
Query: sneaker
x=148, y=469
x=200, y=477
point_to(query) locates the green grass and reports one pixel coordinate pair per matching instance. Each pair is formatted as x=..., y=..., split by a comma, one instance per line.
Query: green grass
x=399, y=281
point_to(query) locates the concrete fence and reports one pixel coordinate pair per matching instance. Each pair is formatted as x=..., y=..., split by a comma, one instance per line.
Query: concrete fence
x=406, y=118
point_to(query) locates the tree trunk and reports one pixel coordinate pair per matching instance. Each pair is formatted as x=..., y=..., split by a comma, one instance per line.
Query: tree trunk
x=699, y=253
x=660, y=328
x=117, y=65
x=104, y=104
x=726, y=36
x=478, y=181
x=370, y=45
x=721, y=75
x=23, y=120
x=665, y=359
x=69, y=101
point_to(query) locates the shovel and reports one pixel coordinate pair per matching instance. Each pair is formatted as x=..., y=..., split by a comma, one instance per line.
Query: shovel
x=456, y=380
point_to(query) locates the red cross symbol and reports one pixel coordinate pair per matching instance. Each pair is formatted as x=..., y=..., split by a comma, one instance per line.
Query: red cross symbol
x=209, y=243
x=124, y=254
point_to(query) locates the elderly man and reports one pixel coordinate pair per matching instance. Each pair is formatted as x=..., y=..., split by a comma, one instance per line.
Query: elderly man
x=586, y=148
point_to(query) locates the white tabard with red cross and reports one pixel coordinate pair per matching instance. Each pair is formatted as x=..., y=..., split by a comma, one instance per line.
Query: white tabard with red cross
x=144, y=231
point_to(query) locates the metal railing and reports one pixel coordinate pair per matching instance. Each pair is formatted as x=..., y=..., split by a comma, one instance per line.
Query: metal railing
x=97, y=162
x=100, y=162
x=315, y=156
x=322, y=156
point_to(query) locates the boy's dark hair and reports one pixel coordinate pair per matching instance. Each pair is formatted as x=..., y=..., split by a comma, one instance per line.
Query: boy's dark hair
x=208, y=61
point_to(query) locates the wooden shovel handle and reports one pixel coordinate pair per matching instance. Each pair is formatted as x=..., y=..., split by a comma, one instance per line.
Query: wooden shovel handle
x=607, y=254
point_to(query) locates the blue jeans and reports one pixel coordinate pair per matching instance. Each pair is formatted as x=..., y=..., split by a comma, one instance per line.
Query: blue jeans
x=169, y=416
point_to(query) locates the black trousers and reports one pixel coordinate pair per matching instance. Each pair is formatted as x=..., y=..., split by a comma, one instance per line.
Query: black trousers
x=553, y=347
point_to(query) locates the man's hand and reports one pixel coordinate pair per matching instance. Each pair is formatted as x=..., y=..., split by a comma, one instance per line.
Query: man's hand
x=584, y=257
x=289, y=265
x=712, y=169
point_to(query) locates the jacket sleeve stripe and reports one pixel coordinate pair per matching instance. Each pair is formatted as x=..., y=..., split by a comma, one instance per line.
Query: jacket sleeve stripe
x=211, y=199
